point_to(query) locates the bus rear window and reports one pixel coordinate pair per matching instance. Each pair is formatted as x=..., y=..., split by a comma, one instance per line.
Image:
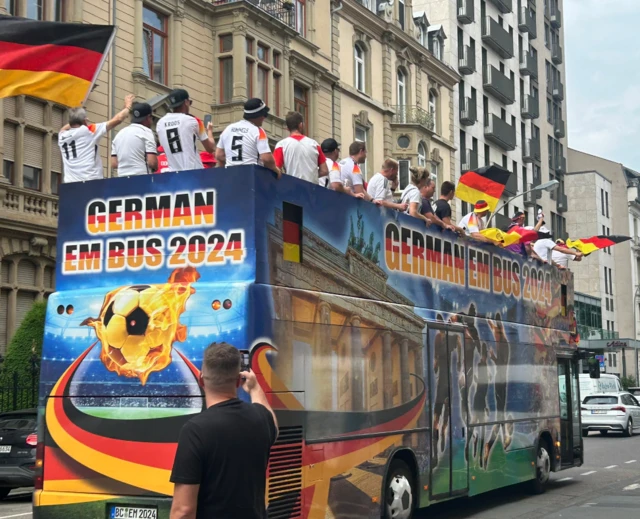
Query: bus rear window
x=601, y=400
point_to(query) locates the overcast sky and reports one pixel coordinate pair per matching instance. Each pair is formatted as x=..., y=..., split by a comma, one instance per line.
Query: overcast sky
x=602, y=60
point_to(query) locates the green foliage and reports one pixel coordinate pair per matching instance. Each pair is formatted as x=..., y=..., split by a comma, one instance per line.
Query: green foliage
x=628, y=382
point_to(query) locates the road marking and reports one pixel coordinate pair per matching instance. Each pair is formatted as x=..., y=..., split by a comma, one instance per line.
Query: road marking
x=635, y=486
x=589, y=473
x=609, y=467
x=15, y=515
x=630, y=461
x=563, y=479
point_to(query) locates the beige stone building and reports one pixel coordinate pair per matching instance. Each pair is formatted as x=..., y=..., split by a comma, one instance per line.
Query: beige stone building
x=357, y=71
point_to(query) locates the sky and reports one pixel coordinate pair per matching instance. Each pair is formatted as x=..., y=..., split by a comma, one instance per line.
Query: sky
x=602, y=63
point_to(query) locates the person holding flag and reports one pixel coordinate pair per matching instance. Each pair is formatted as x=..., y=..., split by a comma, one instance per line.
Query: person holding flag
x=545, y=246
x=473, y=223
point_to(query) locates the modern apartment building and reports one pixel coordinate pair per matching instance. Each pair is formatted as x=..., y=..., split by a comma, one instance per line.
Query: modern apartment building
x=509, y=103
x=357, y=70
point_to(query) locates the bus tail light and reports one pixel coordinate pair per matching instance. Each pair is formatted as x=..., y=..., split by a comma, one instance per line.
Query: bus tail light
x=619, y=408
x=39, y=468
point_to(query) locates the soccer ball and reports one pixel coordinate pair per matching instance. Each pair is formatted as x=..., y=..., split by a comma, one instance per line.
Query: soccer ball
x=399, y=500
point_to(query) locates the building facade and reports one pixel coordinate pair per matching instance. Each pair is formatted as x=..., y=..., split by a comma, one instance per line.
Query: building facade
x=509, y=103
x=357, y=71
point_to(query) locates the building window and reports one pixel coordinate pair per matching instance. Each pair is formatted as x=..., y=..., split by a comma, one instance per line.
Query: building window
x=249, y=78
x=602, y=201
x=423, y=37
x=263, y=84
x=32, y=178
x=56, y=180
x=34, y=9
x=359, y=57
x=434, y=172
x=10, y=6
x=433, y=108
x=404, y=176
x=436, y=48
x=402, y=88
x=59, y=12
x=155, y=45
x=263, y=53
x=226, y=80
x=226, y=43
x=401, y=13
x=361, y=134
x=301, y=102
x=606, y=202
x=422, y=155
x=301, y=13
x=7, y=170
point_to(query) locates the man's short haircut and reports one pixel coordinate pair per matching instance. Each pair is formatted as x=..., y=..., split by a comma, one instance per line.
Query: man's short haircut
x=356, y=147
x=77, y=116
x=389, y=164
x=220, y=366
x=293, y=120
x=447, y=187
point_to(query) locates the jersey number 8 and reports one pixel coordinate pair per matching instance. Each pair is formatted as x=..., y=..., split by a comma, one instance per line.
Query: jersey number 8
x=173, y=138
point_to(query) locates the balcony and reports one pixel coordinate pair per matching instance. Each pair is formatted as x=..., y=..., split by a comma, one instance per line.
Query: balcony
x=413, y=115
x=531, y=199
x=278, y=9
x=466, y=11
x=531, y=152
x=469, y=160
x=504, y=6
x=499, y=85
x=468, y=112
x=500, y=132
x=527, y=22
x=529, y=65
x=494, y=35
x=556, y=53
x=24, y=208
x=530, y=108
x=558, y=129
x=467, y=60
x=560, y=165
x=596, y=334
x=556, y=18
x=558, y=91
x=561, y=204
x=511, y=189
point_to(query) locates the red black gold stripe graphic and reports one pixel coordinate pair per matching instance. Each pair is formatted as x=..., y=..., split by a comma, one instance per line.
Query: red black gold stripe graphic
x=484, y=184
x=589, y=245
x=291, y=232
x=53, y=61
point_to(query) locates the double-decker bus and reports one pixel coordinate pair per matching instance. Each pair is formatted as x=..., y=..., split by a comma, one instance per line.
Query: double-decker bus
x=407, y=366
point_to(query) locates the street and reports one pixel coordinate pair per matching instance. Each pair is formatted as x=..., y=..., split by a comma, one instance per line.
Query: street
x=608, y=485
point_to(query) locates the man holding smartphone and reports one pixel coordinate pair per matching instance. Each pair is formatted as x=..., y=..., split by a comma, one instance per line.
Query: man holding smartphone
x=221, y=462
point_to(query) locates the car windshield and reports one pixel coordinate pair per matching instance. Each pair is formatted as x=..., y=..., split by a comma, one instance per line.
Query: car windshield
x=18, y=422
x=601, y=400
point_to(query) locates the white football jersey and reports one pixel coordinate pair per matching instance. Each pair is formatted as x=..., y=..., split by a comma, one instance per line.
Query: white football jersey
x=243, y=143
x=178, y=135
x=80, y=154
x=131, y=146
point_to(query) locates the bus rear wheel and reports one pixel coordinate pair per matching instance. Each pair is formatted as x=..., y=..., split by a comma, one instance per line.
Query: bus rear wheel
x=399, y=492
x=543, y=469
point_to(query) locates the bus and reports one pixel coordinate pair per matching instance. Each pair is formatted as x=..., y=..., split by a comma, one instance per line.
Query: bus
x=407, y=366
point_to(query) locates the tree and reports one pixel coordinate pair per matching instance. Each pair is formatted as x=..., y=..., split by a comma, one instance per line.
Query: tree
x=628, y=382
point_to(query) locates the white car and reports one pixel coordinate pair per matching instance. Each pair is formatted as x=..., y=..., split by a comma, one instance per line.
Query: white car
x=614, y=411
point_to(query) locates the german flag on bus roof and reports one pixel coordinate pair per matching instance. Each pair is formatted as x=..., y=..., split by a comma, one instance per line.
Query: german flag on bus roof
x=58, y=62
x=291, y=232
x=589, y=245
x=486, y=183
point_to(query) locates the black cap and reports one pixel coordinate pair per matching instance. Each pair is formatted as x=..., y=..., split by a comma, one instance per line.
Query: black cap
x=140, y=111
x=329, y=145
x=177, y=97
x=517, y=215
x=255, y=108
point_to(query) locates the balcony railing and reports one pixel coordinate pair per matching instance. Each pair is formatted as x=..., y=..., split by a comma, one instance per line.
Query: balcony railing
x=558, y=129
x=406, y=114
x=500, y=132
x=530, y=108
x=469, y=160
x=556, y=53
x=496, y=37
x=562, y=204
x=531, y=151
x=467, y=60
x=468, y=112
x=527, y=22
x=24, y=204
x=511, y=188
x=588, y=333
x=499, y=85
x=558, y=91
x=556, y=18
x=560, y=165
x=283, y=11
x=505, y=6
x=466, y=11
x=529, y=65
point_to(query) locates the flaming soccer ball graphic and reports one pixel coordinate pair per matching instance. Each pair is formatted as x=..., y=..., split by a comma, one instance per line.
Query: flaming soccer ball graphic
x=138, y=324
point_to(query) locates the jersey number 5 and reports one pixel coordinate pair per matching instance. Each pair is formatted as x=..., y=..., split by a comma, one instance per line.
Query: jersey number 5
x=236, y=145
x=66, y=147
x=173, y=137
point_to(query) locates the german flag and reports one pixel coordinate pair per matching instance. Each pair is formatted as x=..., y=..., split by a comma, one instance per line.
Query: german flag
x=58, y=62
x=486, y=183
x=523, y=235
x=291, y=232
x=505, y=238
x=589, y=245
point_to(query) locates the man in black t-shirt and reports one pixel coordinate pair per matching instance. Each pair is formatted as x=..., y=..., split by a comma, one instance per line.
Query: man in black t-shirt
x=221, y=462
x=443, y=209
x=427, y=192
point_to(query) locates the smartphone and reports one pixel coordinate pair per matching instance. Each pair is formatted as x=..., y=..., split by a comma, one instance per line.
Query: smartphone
x=245, y=363
x=207, y=120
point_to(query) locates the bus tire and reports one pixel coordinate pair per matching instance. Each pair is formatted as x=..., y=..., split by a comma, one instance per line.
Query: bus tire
x=400, y=492
x=538, y=484
x=585, y=433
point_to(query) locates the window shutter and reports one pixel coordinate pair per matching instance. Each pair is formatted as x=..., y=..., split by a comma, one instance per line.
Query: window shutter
x=9, y=141
x=33, y=146
x=56, y=118
x=56, y=157
x=33, y=111
x=26, y=273
x=10, y=107
x=49, y=277
x=24, y=303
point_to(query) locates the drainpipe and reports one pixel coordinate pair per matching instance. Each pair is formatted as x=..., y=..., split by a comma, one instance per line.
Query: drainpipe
x=113, y=83
x=333, y=86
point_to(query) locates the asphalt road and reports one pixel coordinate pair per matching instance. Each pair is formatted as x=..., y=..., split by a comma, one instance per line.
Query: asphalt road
x=606, y=486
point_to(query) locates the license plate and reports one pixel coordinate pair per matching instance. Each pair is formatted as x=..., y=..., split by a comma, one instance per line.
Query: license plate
x=133, y=512
x=5, y=449
x=598, y=411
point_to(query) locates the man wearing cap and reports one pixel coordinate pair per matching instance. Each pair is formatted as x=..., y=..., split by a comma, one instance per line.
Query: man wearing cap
x=245, y=143
x=299, y=155
x=473, y=223
x=545, y=246
x=178, y=133
x=133, y=151
x=518, y=221
x=331, y=149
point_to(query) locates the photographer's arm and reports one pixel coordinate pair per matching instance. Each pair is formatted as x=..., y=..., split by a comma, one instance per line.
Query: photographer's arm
x=252, y=387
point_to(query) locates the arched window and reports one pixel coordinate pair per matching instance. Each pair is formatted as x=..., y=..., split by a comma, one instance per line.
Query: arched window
x=437, y=48
x=359, y=57
x=423, y=38
x=422, y=155
x=402, y=88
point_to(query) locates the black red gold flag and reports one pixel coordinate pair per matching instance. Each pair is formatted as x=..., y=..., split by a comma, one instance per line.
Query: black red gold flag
x=589, y=245
x=486, y=183
x=291, y=232
x=55, y=61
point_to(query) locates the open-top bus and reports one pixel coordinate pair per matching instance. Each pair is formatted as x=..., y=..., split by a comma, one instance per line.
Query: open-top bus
x=407, y=366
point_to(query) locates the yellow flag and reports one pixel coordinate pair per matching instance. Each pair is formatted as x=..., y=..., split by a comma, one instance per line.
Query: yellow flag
x=500, y=236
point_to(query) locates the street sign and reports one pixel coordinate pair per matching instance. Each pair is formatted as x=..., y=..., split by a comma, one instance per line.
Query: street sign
x=600, y=359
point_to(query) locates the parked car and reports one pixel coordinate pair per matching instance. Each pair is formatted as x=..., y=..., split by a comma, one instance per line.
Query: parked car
x=18, y=440
x=605, y=384
x=635, y=391
x=616, y=411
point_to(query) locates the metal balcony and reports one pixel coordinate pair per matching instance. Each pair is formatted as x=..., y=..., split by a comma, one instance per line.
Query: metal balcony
x=531, y=152
x=278, y=9
x=468, y=112
x=499, y=85
x=511, y=188
x=500, y=132
x=558, y=91
x=561, y=204
x=530, y=108
x=558, y=129
x=413, y=115
x=529, y=65
x=469, y=160
x=530, y=199
x=527, y=22
x=561, y=165
x=466, y=11
x=556, y=53
x=504, y=6
x=467, y=61
x=494, y=35
x=556, y=18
